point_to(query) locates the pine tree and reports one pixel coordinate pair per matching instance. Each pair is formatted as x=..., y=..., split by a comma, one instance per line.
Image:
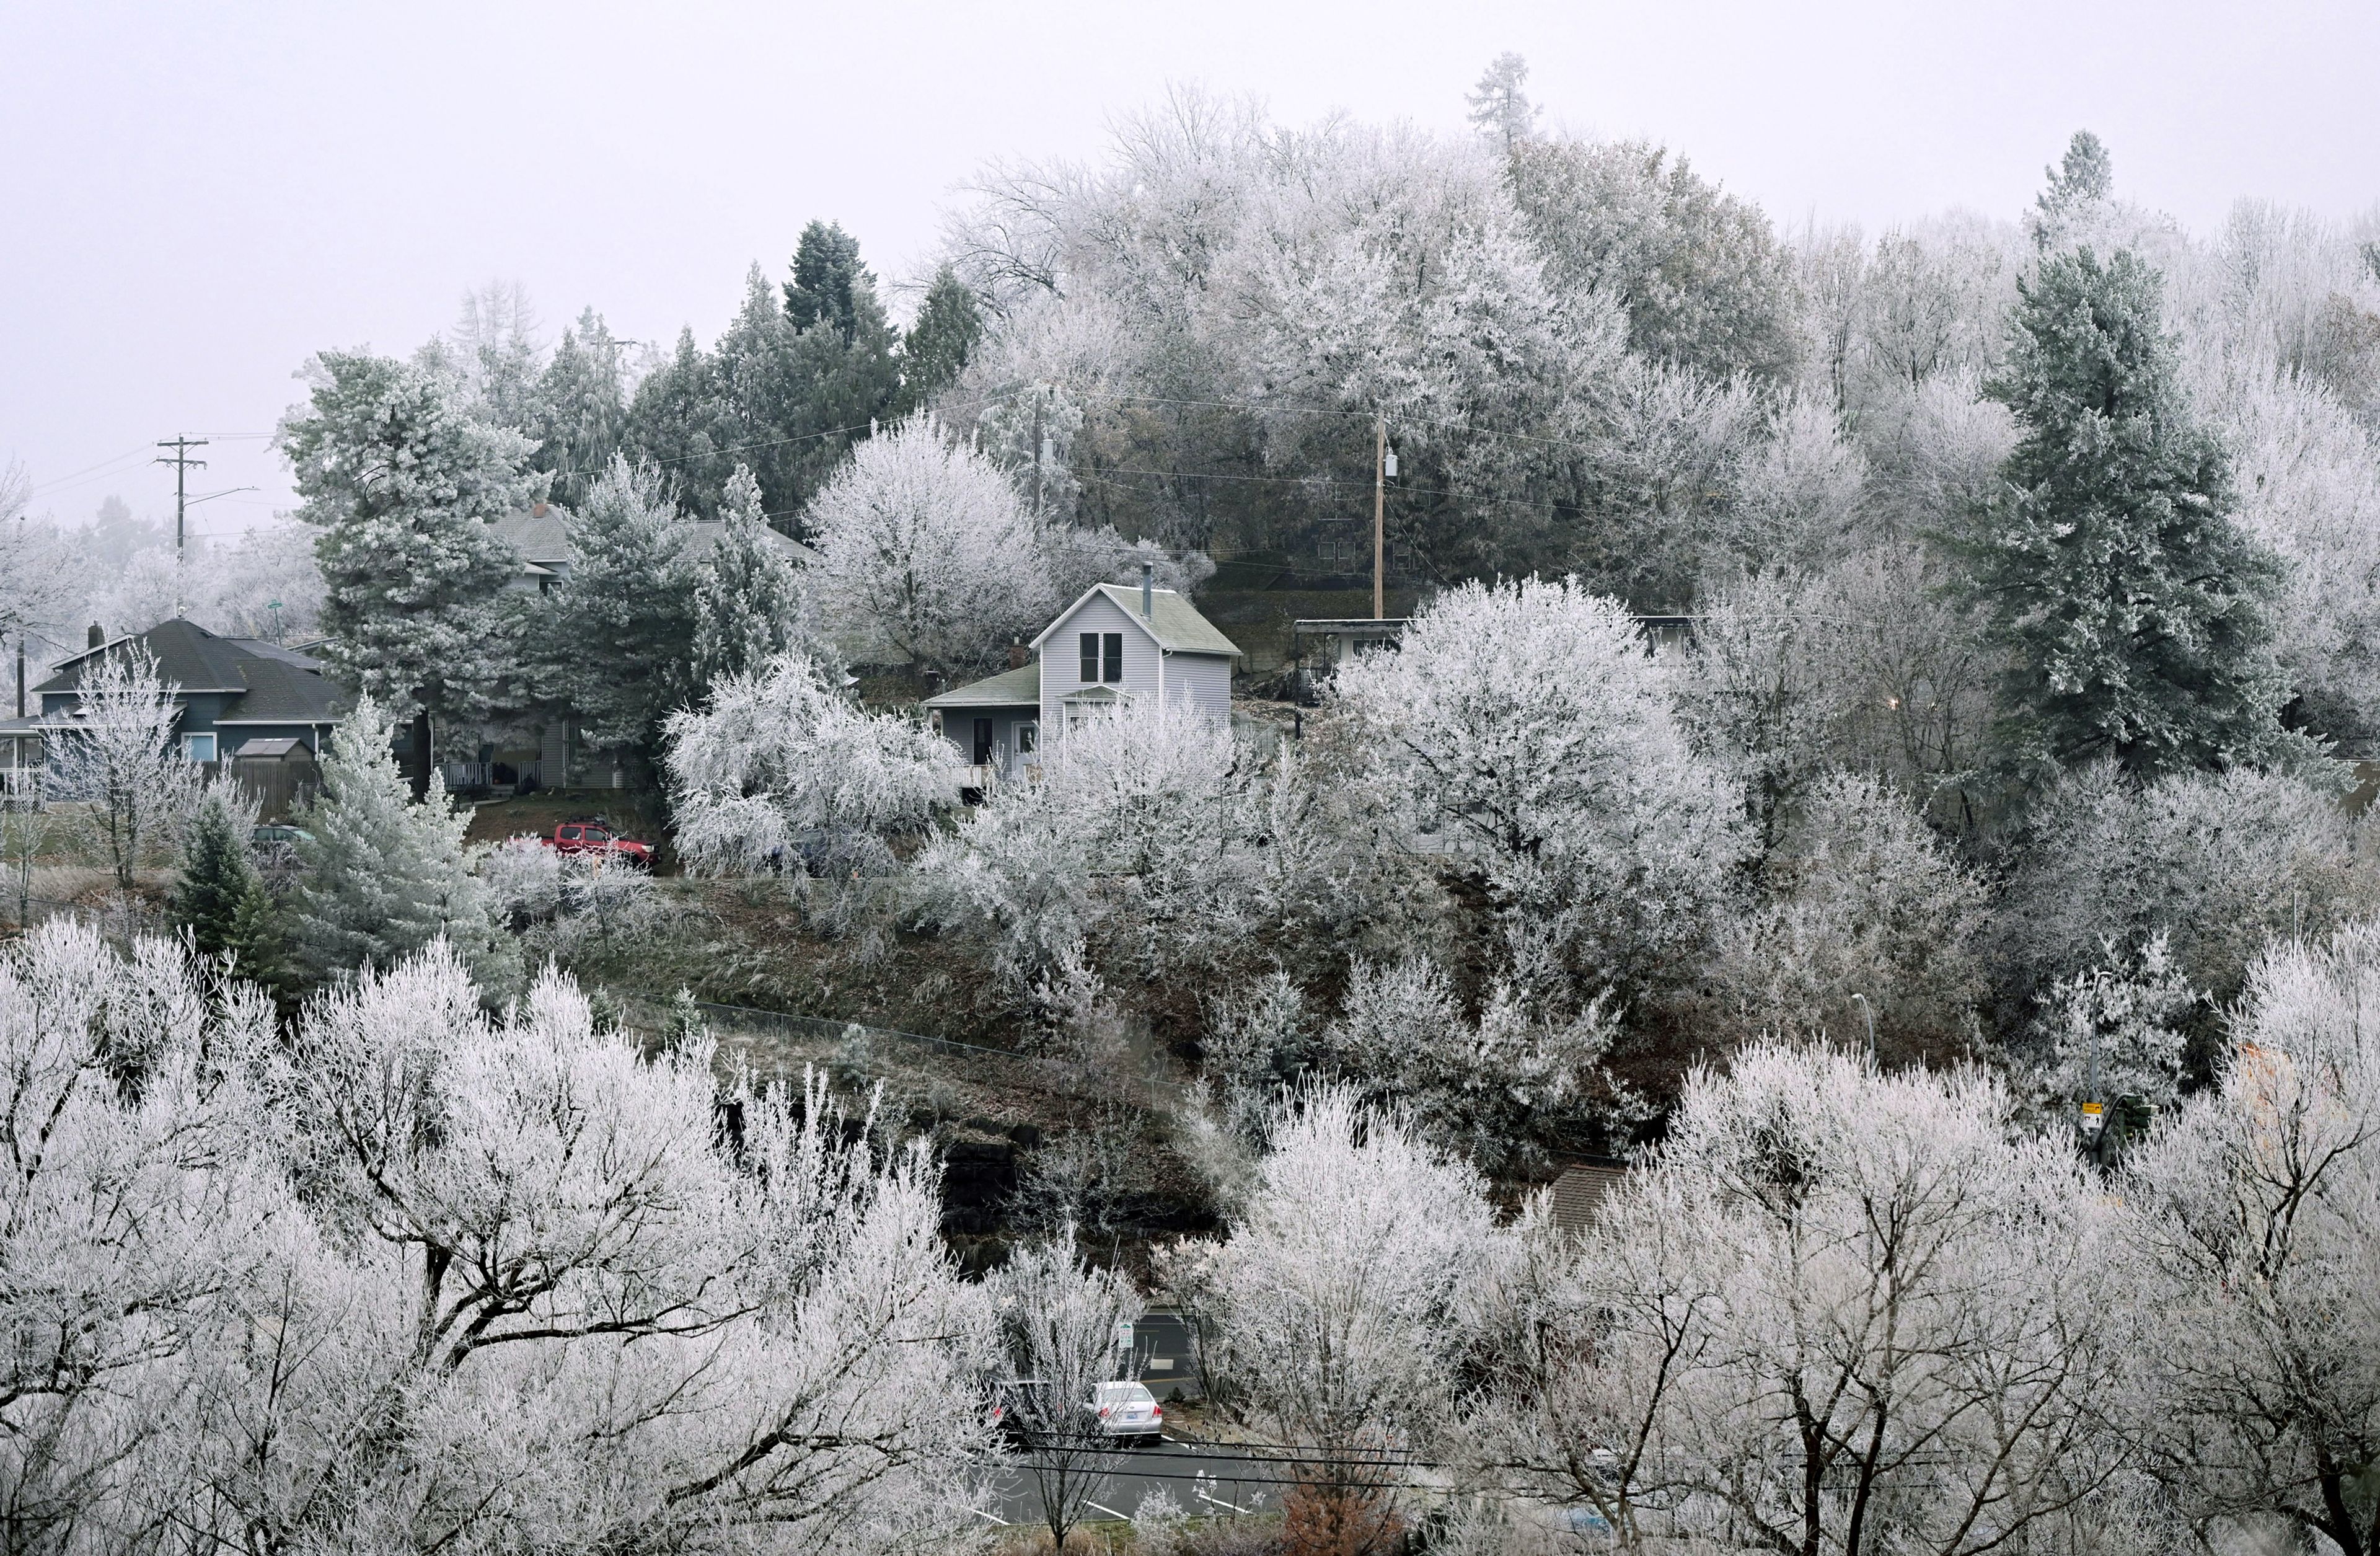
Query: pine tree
x=940, y=342
x=627, y=608
x=828, y=279
x=584, y=409
x=2132, y=605
x=386, y=877
x=747, y=599
x=218, y=876
x=404, y=488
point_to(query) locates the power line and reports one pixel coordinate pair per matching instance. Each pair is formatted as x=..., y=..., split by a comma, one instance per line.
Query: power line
x=183, y=464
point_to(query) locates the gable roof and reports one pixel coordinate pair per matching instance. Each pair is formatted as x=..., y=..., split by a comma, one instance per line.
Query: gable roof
x=266, y=683
x=188, y=655
x=1020, y=687
x=541, y=533
x=1172, y=620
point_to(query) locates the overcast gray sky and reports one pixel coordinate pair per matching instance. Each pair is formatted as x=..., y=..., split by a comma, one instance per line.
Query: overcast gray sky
x=194, y=197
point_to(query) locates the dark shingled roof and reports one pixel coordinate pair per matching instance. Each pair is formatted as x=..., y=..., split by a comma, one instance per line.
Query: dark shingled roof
x=273, y=685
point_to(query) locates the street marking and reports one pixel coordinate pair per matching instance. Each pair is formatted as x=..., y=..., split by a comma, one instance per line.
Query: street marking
x=1216, y=1500
x=1108, y=1510
x=981, y=1514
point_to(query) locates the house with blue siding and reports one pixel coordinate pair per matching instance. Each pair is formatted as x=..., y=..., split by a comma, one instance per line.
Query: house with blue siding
x=1114, y=650
x=227, y=691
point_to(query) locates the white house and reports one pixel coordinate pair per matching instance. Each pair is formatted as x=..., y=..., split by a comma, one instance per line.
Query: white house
x=1117, y=648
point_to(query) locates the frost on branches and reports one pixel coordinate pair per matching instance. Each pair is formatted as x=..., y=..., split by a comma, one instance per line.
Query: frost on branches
x=1528, y=730
x=2260, y=1253
x=1339, y=1300
x=778, y=763
x=1131, y=852
x=120, y=759
x=1837, y=1312
x=386, y=877
x=420, y=1279
x=405, y=487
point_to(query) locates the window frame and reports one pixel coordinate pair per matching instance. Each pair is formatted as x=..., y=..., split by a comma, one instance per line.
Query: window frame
x=190, y=746
x=1028, y=738
x=1090, y=644
x=1111, y=659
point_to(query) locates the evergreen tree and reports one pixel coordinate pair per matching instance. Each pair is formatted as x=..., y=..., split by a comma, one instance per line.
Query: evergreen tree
x=2130, y=605
x=829, y=284
x=2085, y=176
x=584, y=409
x=221, y=900
x=384, y=877
x=405, y=487
x=747, y=600
x=627, y=610
x=940, y=342
x=672, y=422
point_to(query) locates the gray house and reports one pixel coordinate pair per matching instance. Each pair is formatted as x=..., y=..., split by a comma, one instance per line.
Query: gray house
x=1115, y=649
x=261, y=708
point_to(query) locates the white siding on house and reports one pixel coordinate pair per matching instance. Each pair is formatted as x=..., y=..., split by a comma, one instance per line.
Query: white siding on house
x=1201, y=681
x=1062, y=668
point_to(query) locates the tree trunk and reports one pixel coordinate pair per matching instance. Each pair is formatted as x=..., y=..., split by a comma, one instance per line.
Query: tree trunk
x=418, y=758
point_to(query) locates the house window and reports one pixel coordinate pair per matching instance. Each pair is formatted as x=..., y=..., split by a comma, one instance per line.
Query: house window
x=1111, y=657
x=982, y=741
x=199, y=747
x=1090, y=641
x=1027, y=738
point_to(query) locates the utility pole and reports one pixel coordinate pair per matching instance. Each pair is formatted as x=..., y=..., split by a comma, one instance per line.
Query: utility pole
x=1381, y=519
x=1869, y=1011
x=183, y=463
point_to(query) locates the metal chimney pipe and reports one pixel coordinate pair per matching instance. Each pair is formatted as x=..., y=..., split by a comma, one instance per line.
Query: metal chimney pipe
x=1148, y=590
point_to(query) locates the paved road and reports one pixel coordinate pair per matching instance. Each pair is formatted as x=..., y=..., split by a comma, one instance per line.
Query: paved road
x=1204, y=1479
x=1165, y=1355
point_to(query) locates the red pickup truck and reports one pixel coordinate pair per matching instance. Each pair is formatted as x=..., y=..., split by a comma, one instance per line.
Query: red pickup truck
x=596, y=837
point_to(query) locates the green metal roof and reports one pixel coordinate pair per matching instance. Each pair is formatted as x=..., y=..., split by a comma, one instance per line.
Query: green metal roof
x=1172, y=620
x=1010, y=688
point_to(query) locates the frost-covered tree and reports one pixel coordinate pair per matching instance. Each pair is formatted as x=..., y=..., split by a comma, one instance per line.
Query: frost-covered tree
x=2216, y=863
x=385, y=876
x=582, y=406
x=120, y=759
x=1698, y=271
x=937, y=345
x=219, y=901
x=1836, y=1311
x=1131, y=853
x=537, y=1288
x=749, y=601
x=1057, y=1322
x=405, y=485
x=1863, y=900
x=140, y=1196
x=779, y=762
x=614, y=642
x=926, y=550
x=1337, y=1305
x=2133, y=607
x=2256, y=1246
x=1500, y=109
x=1527, y=728
x=2116, y=1029
x=1501, y=1089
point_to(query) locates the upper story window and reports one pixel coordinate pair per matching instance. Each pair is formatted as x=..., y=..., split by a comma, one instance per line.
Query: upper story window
x=1102, y=657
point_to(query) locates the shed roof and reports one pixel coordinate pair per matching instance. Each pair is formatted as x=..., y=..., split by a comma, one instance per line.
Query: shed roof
x=1010, y=688
x=1172, y=620
x=271, y=747
x=1579, y=1193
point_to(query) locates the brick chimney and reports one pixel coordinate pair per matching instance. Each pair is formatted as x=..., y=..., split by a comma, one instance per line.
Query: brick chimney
x=96, y=637
x=536, y=509
x=1019, y=656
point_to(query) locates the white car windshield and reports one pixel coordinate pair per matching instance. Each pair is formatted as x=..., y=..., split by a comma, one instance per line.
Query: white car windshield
x=1125, y=1393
